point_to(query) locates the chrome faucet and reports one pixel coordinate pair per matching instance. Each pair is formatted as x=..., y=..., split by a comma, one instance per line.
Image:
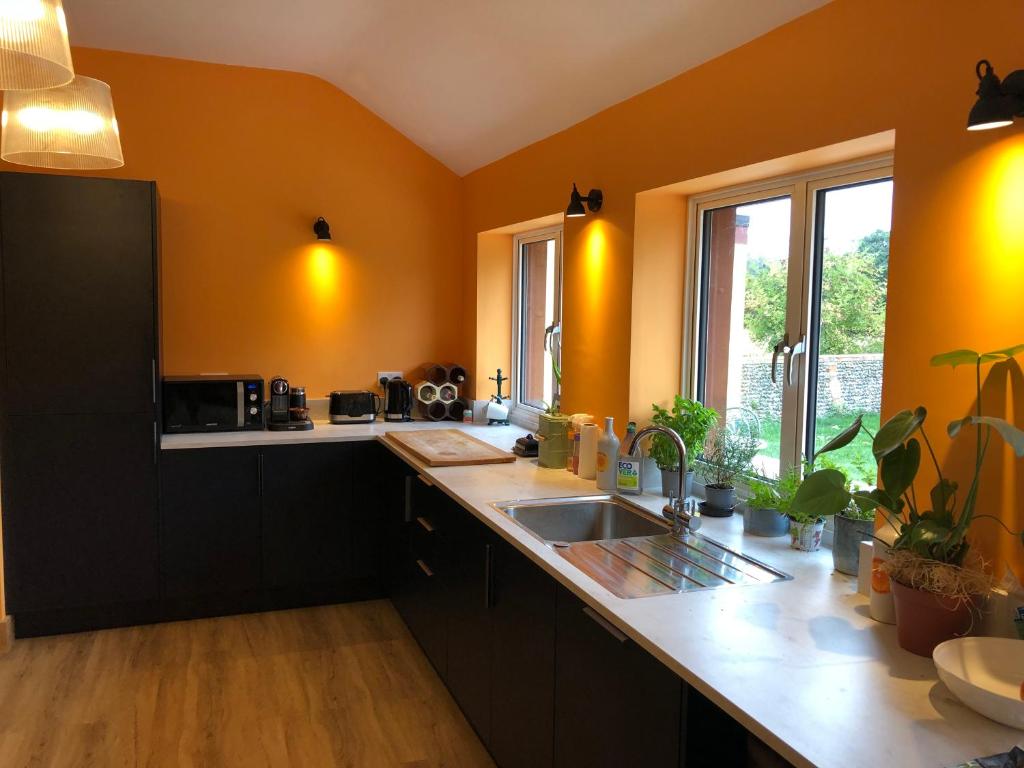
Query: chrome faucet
x=684, y=516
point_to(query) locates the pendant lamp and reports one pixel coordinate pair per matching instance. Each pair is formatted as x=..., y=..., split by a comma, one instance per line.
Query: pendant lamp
x=34, y=50
x=72, y=127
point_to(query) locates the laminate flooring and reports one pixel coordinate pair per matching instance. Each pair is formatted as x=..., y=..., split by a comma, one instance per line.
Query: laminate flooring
x=341, y=685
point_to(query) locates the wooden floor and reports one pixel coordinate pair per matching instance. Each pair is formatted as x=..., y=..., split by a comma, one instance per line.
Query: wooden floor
x=341, y=685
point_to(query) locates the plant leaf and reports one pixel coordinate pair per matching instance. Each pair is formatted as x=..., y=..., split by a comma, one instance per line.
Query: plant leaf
x=896, y=430
x=1001, y=354
x=954, y=427
x=899, y=467
x=943, y=501
x=876, y=498
x=822, y=493
x=956, y=357
x=843, y=439
x=1013, y=436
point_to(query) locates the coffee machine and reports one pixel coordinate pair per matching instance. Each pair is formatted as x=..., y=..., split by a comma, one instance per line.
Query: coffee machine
x=398, y=400
x=288, y=411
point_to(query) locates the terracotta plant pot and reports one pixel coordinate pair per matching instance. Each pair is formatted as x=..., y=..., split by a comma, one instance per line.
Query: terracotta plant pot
x=806, y=536
x=925, y=619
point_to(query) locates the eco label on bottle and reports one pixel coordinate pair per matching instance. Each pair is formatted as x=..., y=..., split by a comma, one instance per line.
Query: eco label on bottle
x=628, y=475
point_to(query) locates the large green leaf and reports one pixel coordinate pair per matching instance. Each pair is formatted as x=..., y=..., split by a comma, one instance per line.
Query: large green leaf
x=1013, y=436
x=896, y=430
x=843, y=439
x=899, y=467
x=954, y=427
x=943, y=497
x=822, y=493
x=876, y=498
x=1001, y=354
x=956, y=357
x=929, y=538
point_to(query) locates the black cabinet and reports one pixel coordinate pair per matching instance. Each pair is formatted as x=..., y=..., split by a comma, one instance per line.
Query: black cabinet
x=79, y=283
x=210, y=522
x=80, y=517
x=522, y=661
x=418, y=590
x=78, y=259
x=615, y=704
x=470, y=579
x=308, y=516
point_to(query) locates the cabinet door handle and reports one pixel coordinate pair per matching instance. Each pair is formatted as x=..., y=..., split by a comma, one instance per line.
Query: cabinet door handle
x=156, y=443
x=407, y=516
x=425, y=524
x=425, y=481
x=424, y=567
x=488, y=577
x=606, y=625
x=153, y=371
x=260, y=471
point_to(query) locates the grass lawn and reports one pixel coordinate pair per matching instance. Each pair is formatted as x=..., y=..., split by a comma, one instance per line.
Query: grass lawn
x=855, y=460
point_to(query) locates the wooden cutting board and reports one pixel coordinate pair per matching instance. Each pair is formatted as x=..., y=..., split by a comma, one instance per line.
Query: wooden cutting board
x=449, y=448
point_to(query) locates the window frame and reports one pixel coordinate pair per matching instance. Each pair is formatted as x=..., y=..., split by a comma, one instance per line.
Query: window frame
x=802, y=189
x=523, y=412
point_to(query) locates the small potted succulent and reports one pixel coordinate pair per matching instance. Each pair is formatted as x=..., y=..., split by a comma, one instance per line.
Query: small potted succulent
x=727, y=455
x=938, y=581
x=692, y=421
x=766, y=511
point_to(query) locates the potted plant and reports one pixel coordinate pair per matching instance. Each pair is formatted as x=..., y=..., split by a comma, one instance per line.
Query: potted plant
x=727, y=454
x=692, y=421
x=937, y=580
x=767, y=509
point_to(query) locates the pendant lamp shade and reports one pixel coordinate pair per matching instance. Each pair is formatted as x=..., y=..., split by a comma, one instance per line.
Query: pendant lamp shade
x=34, y=50
x=71, y=127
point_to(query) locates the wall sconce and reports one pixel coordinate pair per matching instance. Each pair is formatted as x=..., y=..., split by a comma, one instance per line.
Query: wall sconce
x=322, y=229
x=593, y=200
x=998, y=102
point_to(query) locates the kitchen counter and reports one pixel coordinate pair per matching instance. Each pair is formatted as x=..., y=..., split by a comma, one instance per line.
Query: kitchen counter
x=799, y=663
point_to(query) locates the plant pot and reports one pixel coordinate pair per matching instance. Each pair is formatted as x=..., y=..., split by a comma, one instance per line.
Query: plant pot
x=806, y=536
x=758, y=521
x=552, y=440
x=721, y=498
x=849, y=534
x=670, y=482
x=925, y=619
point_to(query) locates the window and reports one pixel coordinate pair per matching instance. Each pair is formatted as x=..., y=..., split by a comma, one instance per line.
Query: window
x=789, y=312
x=538, y=317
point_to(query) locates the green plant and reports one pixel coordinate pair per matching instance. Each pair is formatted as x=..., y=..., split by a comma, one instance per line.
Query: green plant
x=691, y=420
x=727, y=454
x=932, y=529
x=776, y=494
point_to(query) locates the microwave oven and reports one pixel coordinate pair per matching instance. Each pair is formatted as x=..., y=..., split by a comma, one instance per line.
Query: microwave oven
x=212, y=403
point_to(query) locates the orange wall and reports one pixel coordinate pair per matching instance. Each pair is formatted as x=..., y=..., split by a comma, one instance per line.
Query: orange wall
x=245, y=160
x=850, y=69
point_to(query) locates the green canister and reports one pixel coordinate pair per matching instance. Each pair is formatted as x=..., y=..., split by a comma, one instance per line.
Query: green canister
x=552, y=440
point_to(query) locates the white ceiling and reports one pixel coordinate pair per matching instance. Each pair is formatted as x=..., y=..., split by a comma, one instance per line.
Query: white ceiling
x=468, y=80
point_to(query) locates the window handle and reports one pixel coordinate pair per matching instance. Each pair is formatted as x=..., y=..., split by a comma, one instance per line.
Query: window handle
x=781, y=348
x=795, y=351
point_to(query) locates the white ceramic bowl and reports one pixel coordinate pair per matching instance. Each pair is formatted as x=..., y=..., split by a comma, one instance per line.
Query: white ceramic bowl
x=986, y=674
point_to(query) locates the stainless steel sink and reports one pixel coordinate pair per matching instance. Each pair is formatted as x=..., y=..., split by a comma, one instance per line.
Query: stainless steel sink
x=630, y=551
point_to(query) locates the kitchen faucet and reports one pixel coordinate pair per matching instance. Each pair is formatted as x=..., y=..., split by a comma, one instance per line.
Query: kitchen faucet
x=685, y=517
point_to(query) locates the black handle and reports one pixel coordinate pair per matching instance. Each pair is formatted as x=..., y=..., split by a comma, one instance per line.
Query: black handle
x=606, y=625
x=156, y=443
x=488, y=577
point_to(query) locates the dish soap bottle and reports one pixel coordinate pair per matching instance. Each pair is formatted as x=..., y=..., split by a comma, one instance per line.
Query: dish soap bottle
x=629, y=473
x=607, y=456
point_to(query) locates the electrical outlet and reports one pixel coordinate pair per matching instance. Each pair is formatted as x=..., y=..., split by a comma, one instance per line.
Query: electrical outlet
x=388, y=375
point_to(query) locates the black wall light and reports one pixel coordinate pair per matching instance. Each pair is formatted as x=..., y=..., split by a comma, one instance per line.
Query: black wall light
x=322, y=229
x=593, y=200
x=998, y=101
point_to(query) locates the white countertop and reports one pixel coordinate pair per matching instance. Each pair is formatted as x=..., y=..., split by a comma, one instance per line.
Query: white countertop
x=799, y=663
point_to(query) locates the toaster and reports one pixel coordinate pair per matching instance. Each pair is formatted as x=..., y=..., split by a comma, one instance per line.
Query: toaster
x=354, y=407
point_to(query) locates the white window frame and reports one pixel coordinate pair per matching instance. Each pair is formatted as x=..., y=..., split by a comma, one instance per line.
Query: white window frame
x=802, y=190
x=523, y=413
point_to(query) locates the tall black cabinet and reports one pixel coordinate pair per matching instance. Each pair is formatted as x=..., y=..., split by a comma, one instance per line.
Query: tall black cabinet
x=78, y=415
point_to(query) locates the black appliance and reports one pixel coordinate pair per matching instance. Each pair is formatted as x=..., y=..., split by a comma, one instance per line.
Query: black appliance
x=221, y=403
x=288, y=411
x=398, y=400
x=354, y=407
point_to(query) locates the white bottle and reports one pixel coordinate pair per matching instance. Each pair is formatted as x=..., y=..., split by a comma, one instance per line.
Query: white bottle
x=607, y=457
x=588, y=451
